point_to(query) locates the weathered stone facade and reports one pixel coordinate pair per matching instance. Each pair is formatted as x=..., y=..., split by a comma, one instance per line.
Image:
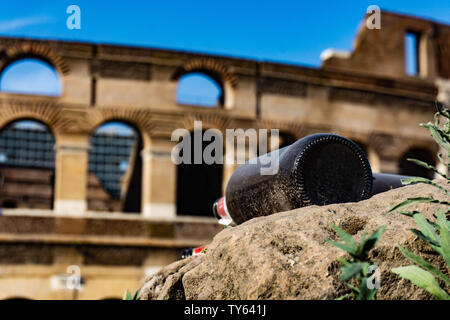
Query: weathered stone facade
x=366, y=97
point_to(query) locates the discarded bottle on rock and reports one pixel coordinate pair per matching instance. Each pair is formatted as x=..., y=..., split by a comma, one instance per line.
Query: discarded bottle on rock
x=319, y=169
x=186, y=253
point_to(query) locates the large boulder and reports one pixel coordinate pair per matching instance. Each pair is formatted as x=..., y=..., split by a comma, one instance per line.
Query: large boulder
x=285, y=255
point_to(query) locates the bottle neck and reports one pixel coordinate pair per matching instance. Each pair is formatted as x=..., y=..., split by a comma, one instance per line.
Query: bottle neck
x=221, y=211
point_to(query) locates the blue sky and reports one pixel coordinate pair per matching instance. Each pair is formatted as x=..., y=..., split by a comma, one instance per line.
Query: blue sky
x=286, y=31
x=294, y=32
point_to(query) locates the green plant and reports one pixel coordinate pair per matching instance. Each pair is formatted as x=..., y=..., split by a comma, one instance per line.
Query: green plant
x=128, y=295
x=358, y=266
x=437, y=233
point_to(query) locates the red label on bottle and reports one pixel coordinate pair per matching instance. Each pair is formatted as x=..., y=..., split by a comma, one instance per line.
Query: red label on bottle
x=198, y=250
x=221, y=210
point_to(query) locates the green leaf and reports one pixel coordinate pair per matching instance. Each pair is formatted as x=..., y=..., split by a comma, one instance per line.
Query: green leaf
x=409, y=213
x=370, y=242
x=345, y=296
x=411, y=201
x=442, y=110
x=352, y=270
x=442, y=220
x=445, y=236
x=424, y=180
x=408, y=202
x=343, y=261
x=136, y=295
x=341, y=246
x=354, y=289
x=349, y=241
x=438, y=136
x=431, y=242
x=427, y=166
x=422, y=279
x=364, y=292
x=421, y=262
x=128, y=295
x=426, y=228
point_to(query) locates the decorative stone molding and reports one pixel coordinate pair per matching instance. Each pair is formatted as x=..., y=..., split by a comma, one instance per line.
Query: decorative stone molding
x=24, y=49
x=296, y=129
x=45, y=111
x=121, y=70
x=283, y=87
x=209, y=121
x=392, y=147
x=138, y=118
x=212, y=65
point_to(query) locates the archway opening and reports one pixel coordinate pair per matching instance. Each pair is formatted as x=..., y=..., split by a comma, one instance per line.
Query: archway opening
x=285, y=139
x=199, y=185
x=27, y=165
x=411, y=169
x=30, y=76
x=199, y=89
x=115, y=168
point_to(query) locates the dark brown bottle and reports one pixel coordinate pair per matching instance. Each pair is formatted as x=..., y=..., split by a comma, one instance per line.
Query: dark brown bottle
x=319, y=169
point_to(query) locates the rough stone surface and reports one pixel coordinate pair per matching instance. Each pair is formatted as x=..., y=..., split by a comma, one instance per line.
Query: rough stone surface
x=166, y=284
x=285, y=256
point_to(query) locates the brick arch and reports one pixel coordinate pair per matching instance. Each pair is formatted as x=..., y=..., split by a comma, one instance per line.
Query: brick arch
x=138, y=119
x=47, y=113
x=293, y=128
x=417, y=151
x=209, y=121
x=40, y=51
x=429, y=146
x=209, y=66
x=220, y=73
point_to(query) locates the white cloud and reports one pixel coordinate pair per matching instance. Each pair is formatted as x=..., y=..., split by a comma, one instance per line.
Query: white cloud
x=19, y=23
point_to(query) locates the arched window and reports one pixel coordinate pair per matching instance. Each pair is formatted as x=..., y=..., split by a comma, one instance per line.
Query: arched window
x=115, y=169
x=30, y=76
x=198, y=185
x=199, y=89
x=27, y=166
x=411, y=169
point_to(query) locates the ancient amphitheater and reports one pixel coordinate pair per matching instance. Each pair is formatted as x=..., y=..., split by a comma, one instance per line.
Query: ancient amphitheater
x=61, y=215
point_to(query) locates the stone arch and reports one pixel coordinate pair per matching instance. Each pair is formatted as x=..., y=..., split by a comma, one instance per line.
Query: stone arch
x=209, y=121
x=46, y=112
x=408, y=168
x=291, y=130
x=28, y=166
x=220, y=73
x=126, y=193
x=33, y=50
x=133, y=117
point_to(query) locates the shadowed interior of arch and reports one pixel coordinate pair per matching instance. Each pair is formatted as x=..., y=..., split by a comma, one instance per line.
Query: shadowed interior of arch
x=411, y=169
x=198, y=89
x=198, y=185
x=30, y=76
x=115, y=168
x=27, y=163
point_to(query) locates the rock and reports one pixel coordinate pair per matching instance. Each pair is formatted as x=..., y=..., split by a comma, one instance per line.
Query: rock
x=285, y=255
x=166, y=284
